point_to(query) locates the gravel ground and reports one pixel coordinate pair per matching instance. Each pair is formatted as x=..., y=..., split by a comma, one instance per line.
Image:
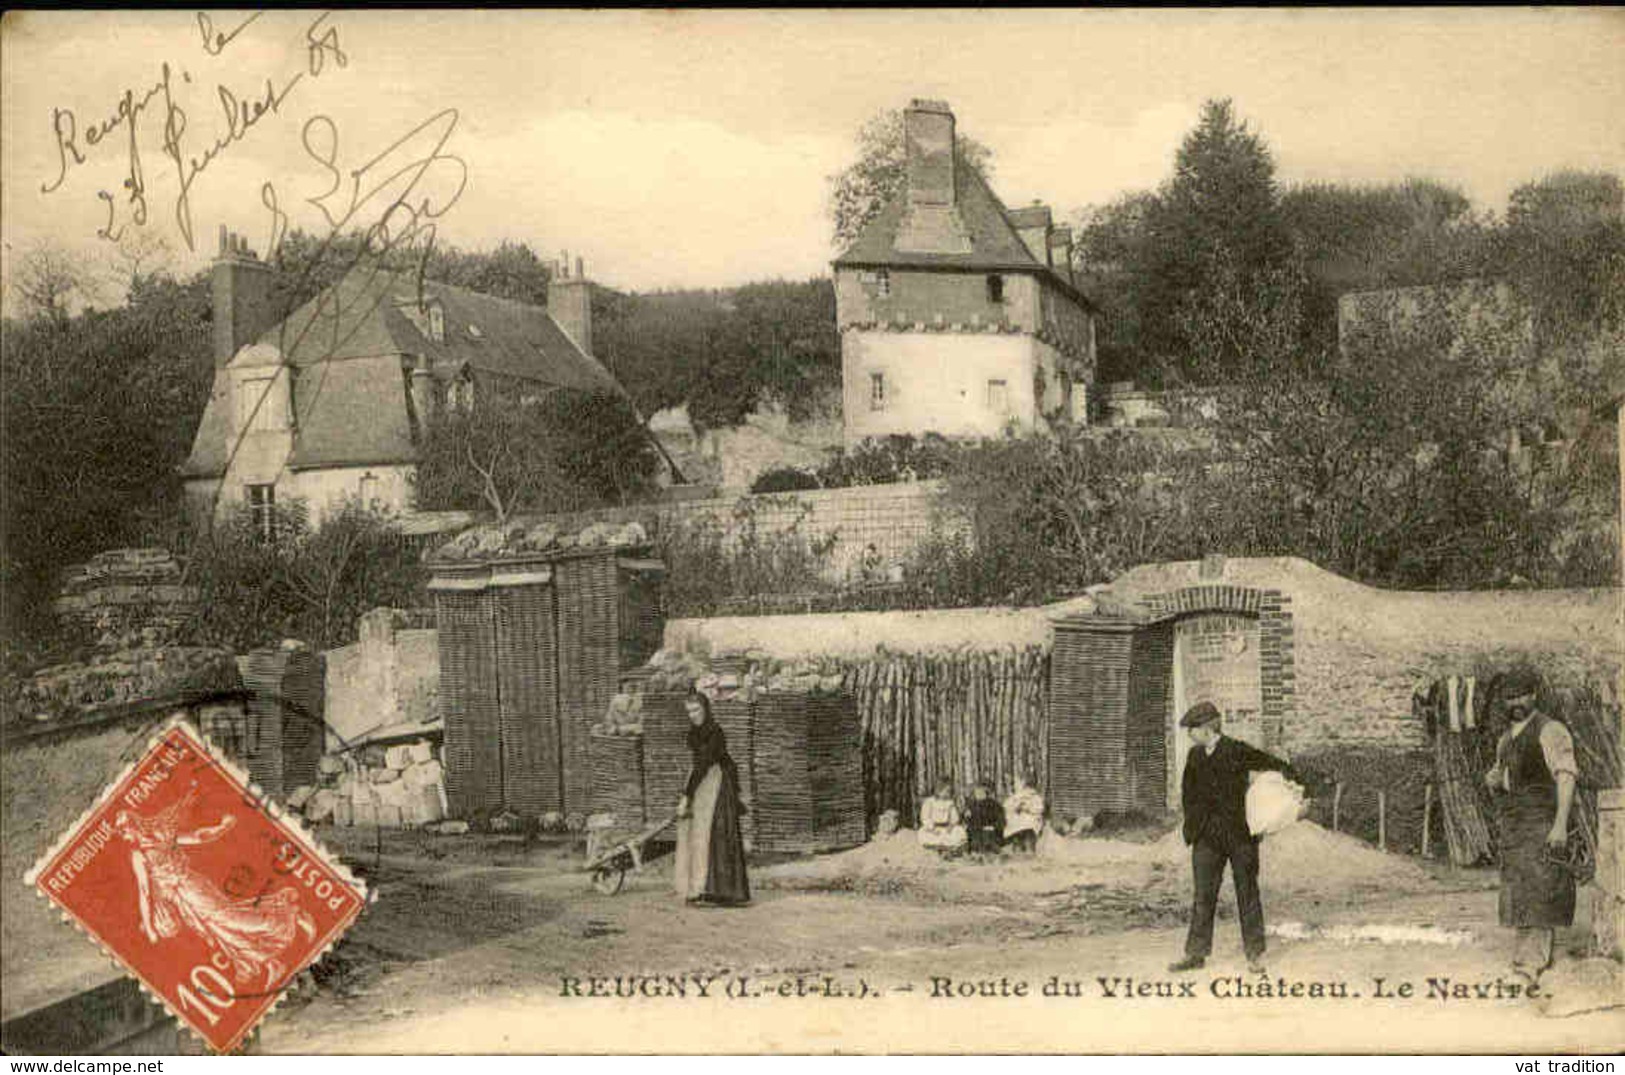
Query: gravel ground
x=460, y=957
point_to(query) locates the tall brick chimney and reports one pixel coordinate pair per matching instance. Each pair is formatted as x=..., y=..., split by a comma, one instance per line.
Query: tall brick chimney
x=243, y=302
x=569, y=301
x=928, y=137
x=931, y=222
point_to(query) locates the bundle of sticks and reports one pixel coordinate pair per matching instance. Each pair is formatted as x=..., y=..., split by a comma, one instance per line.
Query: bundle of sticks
x=966, y=716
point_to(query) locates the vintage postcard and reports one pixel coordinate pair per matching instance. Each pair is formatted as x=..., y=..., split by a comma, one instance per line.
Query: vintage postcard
x=812, y=531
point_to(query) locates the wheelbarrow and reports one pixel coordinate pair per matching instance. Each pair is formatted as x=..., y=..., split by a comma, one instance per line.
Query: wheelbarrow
x=610, y=867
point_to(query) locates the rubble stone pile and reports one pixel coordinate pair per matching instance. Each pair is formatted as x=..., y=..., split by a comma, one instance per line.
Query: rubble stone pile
x=392, y=787
x=518, y=539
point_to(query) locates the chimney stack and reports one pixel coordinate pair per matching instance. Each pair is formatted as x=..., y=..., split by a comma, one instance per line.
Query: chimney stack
x=1060, y=245
x=1034, y=225
x=928, y=137
x=931, y=223
x=569, y=302
x=244, y=306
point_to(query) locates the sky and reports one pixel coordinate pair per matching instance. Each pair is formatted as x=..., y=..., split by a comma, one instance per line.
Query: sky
x=693, y=149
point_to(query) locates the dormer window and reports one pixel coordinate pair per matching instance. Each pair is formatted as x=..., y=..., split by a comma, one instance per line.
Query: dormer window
x=426, y=315
x=995, y=289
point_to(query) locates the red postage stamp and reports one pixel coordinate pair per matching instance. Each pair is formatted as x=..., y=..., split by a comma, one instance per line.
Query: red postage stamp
x=192, y=879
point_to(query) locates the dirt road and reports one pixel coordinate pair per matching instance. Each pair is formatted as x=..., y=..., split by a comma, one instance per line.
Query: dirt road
x=463, y=957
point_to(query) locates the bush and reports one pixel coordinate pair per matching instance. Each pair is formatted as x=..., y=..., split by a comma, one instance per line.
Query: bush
x=785, y=480
x=881, y=461
x=1050, y=516
x=311, y=584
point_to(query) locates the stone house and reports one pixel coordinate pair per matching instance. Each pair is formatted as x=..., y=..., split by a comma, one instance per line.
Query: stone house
x=957, y=315
x=333, y=400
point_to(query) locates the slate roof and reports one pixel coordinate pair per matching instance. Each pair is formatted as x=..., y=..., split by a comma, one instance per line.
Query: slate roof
x=350, y=391
x=996, y=245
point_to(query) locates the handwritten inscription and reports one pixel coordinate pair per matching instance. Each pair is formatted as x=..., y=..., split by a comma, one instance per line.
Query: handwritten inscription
x=241, y=112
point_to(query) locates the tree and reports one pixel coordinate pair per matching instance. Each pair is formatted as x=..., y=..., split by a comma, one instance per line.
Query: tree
x=1392, y=463
x=1565, y=242
x=310, y=583
x=49, y=280
x=789, y=333
x=307, y=265
x=862, y=188
x=1111, y=257
x=98, y=412
x=535, y=450
x=1219, y=206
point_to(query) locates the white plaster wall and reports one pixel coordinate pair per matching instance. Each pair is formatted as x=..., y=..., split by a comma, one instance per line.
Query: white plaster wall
x=322, y=490
x=935, y=381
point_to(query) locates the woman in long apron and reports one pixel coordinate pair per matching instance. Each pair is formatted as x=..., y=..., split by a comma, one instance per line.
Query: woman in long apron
x=1534, y=779
x=710, y=843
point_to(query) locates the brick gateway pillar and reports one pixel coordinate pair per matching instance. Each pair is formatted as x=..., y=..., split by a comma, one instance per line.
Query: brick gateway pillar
x=1112, y=741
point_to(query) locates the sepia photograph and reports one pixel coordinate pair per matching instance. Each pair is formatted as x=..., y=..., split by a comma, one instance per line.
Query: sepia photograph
x=767, y=531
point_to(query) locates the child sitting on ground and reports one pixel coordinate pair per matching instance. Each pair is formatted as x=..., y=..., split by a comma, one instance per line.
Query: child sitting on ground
x=1024, y=816
x=940, y=827
x=984, y=820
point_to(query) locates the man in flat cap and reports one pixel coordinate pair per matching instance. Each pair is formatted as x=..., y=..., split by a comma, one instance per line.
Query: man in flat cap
x=1213, y=796
x=1533, y=782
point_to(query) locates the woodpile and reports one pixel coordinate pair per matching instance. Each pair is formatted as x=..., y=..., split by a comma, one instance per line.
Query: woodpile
x=1464, y=750
x=964, y=716
x=1462, y=794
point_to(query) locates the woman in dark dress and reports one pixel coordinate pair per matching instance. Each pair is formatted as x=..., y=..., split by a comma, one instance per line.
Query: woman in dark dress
x=710, y=843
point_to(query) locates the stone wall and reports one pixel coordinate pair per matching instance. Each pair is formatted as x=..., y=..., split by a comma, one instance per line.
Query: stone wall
x=1351, y=656
x=893, y=518
x=127, y=598
x=389, y=676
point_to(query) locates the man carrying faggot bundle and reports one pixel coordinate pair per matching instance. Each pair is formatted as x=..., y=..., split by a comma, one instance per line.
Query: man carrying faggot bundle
x=1533, y=781
x=1213, y=796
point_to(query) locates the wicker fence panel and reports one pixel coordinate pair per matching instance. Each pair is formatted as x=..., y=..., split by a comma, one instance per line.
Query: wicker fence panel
x=617, y=781
x=526, y=646
x=468, y=692
x=1089, y=704
x=589, y=663
x=263, y=673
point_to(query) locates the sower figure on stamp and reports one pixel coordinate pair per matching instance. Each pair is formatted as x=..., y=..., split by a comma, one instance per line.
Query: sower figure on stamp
x=1213, y=796
x=1533, y=781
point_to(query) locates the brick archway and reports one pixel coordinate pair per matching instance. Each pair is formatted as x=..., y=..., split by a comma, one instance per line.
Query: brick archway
x=1111, y=694
x=1273, y=610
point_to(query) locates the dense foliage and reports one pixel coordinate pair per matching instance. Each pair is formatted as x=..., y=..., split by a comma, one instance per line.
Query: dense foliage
x=724, y=352
x=98, y=412
x=562, y=451
x=310, y=583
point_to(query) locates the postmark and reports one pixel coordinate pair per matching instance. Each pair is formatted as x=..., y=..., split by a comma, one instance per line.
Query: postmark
x=198, y=885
